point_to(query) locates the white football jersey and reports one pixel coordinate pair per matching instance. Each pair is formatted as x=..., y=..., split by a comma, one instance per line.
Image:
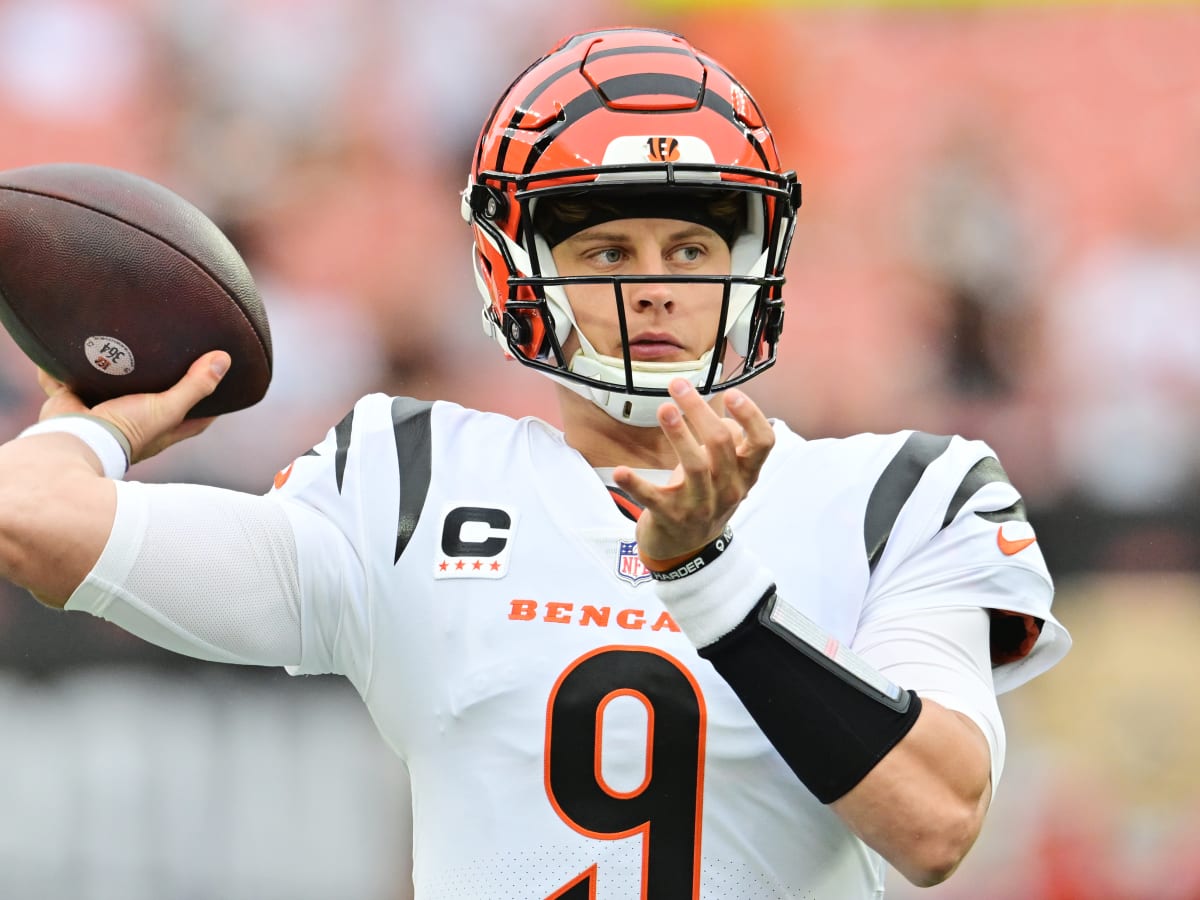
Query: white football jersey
x=564, y=738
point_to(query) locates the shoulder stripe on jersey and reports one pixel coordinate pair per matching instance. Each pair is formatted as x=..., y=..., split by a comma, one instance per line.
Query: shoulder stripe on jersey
x=342, y=433
x=414, y=453
x=987, y=471
x=895, y=486
x=1014, y=513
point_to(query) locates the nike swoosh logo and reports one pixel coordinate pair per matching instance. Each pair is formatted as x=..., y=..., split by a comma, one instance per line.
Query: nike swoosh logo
x=1007, y=547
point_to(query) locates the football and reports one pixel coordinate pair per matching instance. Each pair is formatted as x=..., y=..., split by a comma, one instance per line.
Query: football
x=115, y=284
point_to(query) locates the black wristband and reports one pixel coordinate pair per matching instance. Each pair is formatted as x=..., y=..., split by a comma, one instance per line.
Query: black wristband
x=703, y=557
x=832, y=722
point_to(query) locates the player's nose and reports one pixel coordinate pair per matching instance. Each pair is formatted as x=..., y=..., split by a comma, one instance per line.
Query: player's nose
x=646, y=295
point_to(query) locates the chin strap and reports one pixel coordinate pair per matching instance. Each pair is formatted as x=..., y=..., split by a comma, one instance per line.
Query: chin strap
x=633, y=409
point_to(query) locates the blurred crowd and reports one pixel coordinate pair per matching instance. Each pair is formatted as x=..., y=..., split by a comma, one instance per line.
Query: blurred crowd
x=1000, y=237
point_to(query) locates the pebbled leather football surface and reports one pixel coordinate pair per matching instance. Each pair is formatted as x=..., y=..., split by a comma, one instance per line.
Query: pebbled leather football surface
x=114, y=284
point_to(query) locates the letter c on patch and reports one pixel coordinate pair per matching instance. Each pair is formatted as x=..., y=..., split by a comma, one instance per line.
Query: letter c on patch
x=463, y=523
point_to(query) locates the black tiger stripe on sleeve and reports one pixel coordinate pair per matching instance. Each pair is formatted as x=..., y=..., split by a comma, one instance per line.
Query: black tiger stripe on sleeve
x=1012, y=635
x=987, y=471
x=414, y=455
x=342, y=432
x=1013, y=513
x=895, y=485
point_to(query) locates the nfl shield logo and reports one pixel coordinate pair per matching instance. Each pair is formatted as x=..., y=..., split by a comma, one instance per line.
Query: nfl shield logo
x=629, y=564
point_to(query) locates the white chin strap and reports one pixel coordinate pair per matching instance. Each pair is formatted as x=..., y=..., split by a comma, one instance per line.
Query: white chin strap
x=633, y=409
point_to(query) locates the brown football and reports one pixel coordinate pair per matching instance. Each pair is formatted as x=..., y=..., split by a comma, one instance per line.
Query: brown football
x=114, y=285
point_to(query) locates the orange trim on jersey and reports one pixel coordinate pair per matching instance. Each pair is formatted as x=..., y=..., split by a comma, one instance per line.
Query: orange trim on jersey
x=630, y=507
x=283, y=475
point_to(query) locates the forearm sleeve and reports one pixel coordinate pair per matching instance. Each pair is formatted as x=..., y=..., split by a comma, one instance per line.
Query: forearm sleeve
x=201, y=571
x=830, y=712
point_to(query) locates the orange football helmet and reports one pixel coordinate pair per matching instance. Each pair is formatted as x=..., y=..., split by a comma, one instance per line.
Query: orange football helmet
x=626, y=110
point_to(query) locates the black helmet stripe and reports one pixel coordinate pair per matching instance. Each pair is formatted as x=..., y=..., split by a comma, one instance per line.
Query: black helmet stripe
x=574, y=65
x=713, y=64
x=632, y=86
x=487, y=126
x=523, y=106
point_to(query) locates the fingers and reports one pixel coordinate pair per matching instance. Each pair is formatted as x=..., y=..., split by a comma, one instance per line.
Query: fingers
x=201, y=379
x=645, y=492
x=150, y=422
x=153, y=422
x=693, y=437
x=758, y=437
x=742, y=441
x=719, y=461
x=163, y=422
x=688, y=429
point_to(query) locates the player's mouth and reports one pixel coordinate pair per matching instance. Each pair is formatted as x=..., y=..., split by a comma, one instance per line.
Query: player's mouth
x=654, y=347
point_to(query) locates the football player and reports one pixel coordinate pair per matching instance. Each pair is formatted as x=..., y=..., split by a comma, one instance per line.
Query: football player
x=672, y=650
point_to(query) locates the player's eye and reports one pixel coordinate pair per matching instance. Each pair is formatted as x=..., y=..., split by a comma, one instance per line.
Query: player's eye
x=690, y=254
x=608, y=256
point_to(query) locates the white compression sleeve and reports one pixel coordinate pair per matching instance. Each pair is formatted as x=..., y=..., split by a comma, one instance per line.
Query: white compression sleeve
x=944, y=655
x=201, y=571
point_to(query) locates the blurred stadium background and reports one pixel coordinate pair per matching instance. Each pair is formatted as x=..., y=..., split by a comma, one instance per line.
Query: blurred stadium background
x=1000, y=237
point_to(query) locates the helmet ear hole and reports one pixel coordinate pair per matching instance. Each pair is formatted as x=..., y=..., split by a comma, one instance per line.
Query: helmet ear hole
x=486, y=202
x=495, y=206
x=518, y=329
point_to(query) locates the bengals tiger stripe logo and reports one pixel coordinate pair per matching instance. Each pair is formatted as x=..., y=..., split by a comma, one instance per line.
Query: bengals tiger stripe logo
x=662, y=149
